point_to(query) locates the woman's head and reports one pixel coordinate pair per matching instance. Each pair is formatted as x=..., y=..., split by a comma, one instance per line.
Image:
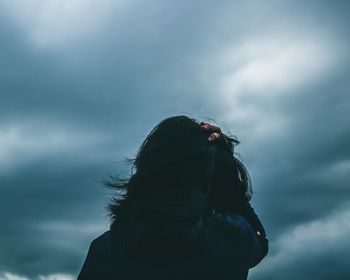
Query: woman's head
x=180, y=175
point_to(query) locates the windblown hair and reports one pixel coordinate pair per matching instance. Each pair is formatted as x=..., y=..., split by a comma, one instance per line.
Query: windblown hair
x=180, y=178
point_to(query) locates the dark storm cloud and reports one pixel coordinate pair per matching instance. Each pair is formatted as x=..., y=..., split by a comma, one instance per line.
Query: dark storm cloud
x=48, y=211
x=75, y=102
x=312, y=156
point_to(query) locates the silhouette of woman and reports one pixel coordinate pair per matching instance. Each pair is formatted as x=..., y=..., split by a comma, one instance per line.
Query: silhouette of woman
x=183, y=214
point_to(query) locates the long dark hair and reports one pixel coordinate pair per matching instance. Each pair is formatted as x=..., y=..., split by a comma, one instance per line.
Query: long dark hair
x=178, y=180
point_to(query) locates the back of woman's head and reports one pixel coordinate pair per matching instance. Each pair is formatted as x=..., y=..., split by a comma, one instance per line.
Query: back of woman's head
x=180, y=178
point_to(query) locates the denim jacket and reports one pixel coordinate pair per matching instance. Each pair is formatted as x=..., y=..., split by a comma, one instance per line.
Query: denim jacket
x=251, y=225
x=229, y=255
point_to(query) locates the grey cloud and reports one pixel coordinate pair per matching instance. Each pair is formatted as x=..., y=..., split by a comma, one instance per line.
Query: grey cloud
x=153, y=60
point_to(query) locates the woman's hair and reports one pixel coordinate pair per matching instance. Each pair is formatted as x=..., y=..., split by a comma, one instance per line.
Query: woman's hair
x=179, y=179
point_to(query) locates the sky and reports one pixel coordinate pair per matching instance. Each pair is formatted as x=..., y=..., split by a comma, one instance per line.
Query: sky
x=82, y=83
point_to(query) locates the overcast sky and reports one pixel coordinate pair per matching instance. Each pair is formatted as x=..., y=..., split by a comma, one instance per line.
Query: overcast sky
x=82, y=82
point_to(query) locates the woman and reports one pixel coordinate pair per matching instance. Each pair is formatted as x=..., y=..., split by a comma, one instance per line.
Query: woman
x=183, y=214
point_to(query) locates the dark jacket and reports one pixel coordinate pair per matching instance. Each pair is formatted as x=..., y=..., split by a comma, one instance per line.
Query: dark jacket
x=224, y=254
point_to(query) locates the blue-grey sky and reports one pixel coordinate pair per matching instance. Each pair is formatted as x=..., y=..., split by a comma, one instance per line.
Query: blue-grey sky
x=82, y=82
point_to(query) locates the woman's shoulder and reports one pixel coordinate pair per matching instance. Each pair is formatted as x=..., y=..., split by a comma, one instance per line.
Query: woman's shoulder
x=257, y=243
x=102, y=239
x=101, y=245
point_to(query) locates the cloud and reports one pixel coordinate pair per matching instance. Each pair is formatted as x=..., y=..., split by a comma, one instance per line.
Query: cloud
x=10, y=276
x=272, y=65
x=83, y=82
x=53, y=23
x=257, y=74
x=25, y=143
x=307, y=243
x=57, y=277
